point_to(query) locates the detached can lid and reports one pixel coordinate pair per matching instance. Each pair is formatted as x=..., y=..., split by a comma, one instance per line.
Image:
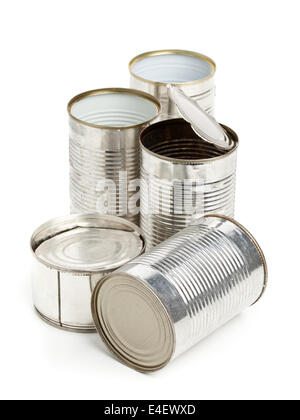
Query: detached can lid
x=204, y=125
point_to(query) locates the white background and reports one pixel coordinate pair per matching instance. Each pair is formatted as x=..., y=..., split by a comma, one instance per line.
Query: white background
x=52, y=50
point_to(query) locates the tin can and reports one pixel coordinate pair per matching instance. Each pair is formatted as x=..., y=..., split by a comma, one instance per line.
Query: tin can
x=182, y=175
x=163, y=303
x=71, y=255
x=193, y=72
x=104, y=149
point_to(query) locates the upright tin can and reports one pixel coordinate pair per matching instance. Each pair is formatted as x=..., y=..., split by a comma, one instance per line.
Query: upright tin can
x=163, y=303
x=193, y=72
x=104, y=149
x=71, y=254
x=183, y=175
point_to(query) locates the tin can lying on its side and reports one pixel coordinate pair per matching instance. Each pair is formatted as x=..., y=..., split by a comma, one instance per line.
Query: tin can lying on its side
x=71, y=255
x=163, y=303
x=104, y=149
x=183, y=175
x=193, y=72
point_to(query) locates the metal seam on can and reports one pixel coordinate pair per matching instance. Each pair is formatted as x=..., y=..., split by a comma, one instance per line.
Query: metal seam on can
x=59, y=298
x=63, y=327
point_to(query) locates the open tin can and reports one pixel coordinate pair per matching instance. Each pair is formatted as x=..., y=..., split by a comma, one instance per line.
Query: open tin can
x=161, y=304
x=104, y=149
x=193, y=72
x=188, y=167
x=72, y=254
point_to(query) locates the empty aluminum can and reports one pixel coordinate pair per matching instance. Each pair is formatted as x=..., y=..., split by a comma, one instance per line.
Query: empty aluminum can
x=183, y=175
x=104, y=150
x=163, y=303
x=193, y=72
x=71, y=255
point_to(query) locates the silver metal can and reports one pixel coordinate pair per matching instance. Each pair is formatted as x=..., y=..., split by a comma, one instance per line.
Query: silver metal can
x=183, y=175
x=71, y=255
x=193, y=72
x=163, y=303
x=104, y=149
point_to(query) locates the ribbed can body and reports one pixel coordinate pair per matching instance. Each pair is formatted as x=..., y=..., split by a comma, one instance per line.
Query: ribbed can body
x=174, y=190
x=203, y=90
x=98, y=156
x=203, y=93
x=105, y=125
x=204, y=276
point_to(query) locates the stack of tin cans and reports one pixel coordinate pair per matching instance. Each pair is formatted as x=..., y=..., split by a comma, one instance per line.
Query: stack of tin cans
x=152, y=155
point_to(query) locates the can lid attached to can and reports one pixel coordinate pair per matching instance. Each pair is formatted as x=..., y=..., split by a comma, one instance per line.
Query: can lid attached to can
x=87, y=243
x=133, y=322
x=204, y=125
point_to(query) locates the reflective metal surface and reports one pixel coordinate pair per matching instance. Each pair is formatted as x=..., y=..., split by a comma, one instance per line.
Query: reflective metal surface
x=161, y=304
x=182, y=175
x=71, y=255
x=193, y=72
x=201, y=122
x=104, y=149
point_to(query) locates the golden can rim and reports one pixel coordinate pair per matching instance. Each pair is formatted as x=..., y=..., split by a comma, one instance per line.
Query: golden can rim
x=256, y=244
x=104, y=91
x=172, y=52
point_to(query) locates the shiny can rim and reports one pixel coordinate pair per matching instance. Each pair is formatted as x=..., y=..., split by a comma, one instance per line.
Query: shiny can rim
x=95, y=92
x=232, y=134
x=63, y=327
x=171, y=51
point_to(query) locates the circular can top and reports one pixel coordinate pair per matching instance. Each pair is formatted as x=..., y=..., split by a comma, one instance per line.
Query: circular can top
x=133, y=322
x=87, y=243
x=179, y=67
x=114, y=108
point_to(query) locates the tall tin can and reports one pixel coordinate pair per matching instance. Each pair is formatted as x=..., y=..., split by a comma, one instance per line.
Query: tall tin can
x=160, y=305
x=183, y=175
x=193, y=72
x=71, y=254
x=104, y=149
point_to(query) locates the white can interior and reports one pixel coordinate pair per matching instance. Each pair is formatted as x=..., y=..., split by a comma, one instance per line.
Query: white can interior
x=172, y=68
x=114, y=109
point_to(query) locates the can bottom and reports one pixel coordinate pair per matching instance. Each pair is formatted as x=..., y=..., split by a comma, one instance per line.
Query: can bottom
x=65, y=327
x=133, y=322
